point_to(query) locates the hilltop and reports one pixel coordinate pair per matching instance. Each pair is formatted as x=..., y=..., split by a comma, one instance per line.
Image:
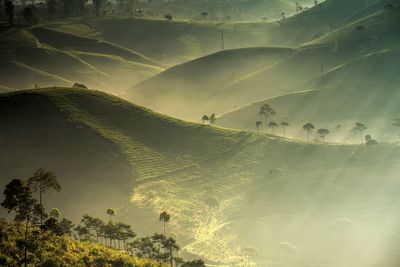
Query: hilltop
x=229, y=193
x=47, y=57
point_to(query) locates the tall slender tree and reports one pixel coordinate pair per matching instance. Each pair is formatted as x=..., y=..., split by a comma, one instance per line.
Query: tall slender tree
x=164, y=218
x=258, y=125
x=272, y=125
x=322, y=134
x=18, y=198
x=265, y=111
x=284, y=124
x=43, y=181
x=110, y=212
x=308, y=127
x=359, y=127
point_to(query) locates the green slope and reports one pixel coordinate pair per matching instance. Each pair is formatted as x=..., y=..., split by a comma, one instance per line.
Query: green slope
x=234, y=197
x=364, y=90
x=204, y=79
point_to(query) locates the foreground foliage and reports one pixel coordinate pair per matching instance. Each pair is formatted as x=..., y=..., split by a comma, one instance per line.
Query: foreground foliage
x=47, y=249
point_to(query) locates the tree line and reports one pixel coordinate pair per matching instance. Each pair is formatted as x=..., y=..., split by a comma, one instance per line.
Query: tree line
x=29, y=213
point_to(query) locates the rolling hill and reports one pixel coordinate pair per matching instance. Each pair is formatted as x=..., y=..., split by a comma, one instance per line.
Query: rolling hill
x=47, y=57
x=235, y=197
x=203, y=79
x=364, y=90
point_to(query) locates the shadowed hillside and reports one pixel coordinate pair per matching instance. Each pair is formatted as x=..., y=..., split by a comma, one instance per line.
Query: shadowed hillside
x=51, y=58
x=234, y=197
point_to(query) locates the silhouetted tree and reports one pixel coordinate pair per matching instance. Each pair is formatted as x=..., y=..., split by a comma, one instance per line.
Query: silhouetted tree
x=171, y=245
x=308, y=127
x=212, y=119
x=204, y=119
x=204, y=15
x=266, y=111
x=55, y=213
x=359, y=127
x=51, y=7
x=284, y=125
x=110, y=212
x=144, y=247
x=97, y=6
x=164, y=218
x=322, y=134
x=272, y=125
x=43, y=181
x=168, y=17
x=9, y=9
x=66, y=226
x=396, y=123
x=258, y=125
x=30, y=15
x=18, y=198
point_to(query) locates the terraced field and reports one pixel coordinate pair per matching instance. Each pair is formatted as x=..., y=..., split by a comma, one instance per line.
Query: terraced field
x=235, y=198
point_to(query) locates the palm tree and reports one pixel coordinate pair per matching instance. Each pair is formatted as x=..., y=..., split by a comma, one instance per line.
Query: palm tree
x=258, y=125
x=110, y=212
x=43, y=181
x=359, y=127
x=309, y=127
x=266, y=111
x=164, y=218
x=205, y=118
x=284, y=125
x=272, y=125
x=322, y=134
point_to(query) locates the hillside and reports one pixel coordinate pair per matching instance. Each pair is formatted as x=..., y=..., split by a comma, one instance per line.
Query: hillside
x=234, y=197
x=364, y=90
x=203, y=79
x=297, y=71
x=53, y=58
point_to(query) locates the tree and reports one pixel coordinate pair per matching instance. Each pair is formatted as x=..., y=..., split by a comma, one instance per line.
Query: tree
x=144, y=247
x=55, y=213
x=9, y=8
x=94, y=225
x=272, y=125
x=359, y=127
x=396, y=123
x=18, y=198
x=66, y=226
x=308, y=127
x=168, y=17
x=322, y=134
x=171, y=245
x=110, y=212
x=205, y=118
x=204, y=14
x=30, y=15
x=124, y=233
x=266, y=111
x=51, y=7
x=43, y=181
x=284, y=125
x=258, y=125
x=164, y=218
x=212, y=119
x=97, y=6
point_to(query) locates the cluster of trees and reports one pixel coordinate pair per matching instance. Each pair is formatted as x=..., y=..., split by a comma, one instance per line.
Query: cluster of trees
x=30, y=213
x=212, y=119
x=266, y=111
